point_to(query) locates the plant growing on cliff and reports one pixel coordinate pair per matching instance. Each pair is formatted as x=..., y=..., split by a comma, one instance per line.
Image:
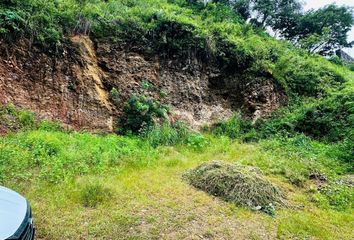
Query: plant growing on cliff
x=114, y=96
x=141, y=112
x=10, y=21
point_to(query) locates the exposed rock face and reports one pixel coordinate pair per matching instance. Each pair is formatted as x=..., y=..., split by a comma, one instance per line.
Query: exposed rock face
x=64, y=87
x=73, y=85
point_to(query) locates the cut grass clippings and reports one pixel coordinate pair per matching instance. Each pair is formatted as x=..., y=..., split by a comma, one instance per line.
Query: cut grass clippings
x=244, y=186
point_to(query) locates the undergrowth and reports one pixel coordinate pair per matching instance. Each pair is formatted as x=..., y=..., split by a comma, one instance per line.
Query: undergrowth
x=93, y=194
x=42, y=151
x=56, y=156
x=312, y=136
x=214, y=34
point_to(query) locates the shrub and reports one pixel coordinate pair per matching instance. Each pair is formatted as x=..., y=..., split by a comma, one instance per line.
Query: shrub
x=114, y=96
x=26, y=119
x=330, y=120
x=176, y=37
x=141, y=113
x=344, y=151
x=166, y=134
x=306, y=75
x=196, y=141
x=351, y=66
x=235, y=127
x=93, y=194
x=245, y=186
x=336, y=60
x=10, y=22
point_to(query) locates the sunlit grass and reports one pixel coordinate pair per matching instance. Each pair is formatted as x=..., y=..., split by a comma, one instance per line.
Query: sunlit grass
x=148, y=199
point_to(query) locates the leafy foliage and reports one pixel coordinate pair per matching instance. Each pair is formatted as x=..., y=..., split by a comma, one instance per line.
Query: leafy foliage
x=141, y=113
x=329, y=120
x=10, y=21
x=324, y=30
x=235, y=127
x=114, y=96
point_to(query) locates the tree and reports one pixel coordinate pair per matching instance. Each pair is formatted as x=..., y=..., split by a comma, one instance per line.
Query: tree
x=242, y=7
x=322, y=31
x=264, y=13
x=264, y=10
x=286, y=16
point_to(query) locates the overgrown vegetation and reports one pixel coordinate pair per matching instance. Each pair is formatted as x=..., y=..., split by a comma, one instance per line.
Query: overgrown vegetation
x=141, y=113
x=13, y=119
x=328, y=120
x=93, y=194
x=133, y=185
x=117, y=177
x=213, y=33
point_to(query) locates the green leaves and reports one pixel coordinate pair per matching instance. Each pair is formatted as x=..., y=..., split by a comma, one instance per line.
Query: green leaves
x=10, y=22
x=322, y=31
x=141, y=113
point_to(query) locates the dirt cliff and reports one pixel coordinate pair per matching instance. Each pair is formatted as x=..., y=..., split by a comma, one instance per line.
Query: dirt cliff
x=73, y=83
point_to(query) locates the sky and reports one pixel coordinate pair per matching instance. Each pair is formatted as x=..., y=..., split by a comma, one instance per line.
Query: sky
x=315, y=4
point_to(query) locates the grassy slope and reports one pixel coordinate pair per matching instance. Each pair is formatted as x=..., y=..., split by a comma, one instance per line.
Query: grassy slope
x=148, y=198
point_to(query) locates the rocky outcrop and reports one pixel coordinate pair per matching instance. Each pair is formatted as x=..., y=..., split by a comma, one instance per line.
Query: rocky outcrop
x=62, y=86
x=73, y=84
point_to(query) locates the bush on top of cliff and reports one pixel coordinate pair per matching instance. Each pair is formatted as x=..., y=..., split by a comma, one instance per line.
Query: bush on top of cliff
x=173, y=29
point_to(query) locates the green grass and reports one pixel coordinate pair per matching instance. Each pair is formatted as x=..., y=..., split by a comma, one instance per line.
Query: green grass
x=64, y=176
x=92, y=186
x=55, y=156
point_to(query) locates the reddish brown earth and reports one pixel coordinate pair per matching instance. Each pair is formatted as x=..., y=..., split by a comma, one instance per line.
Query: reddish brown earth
x=72, y=84
x=3, y=131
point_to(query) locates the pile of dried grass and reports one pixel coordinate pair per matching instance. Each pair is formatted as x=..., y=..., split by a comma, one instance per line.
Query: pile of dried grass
x=244, y=186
